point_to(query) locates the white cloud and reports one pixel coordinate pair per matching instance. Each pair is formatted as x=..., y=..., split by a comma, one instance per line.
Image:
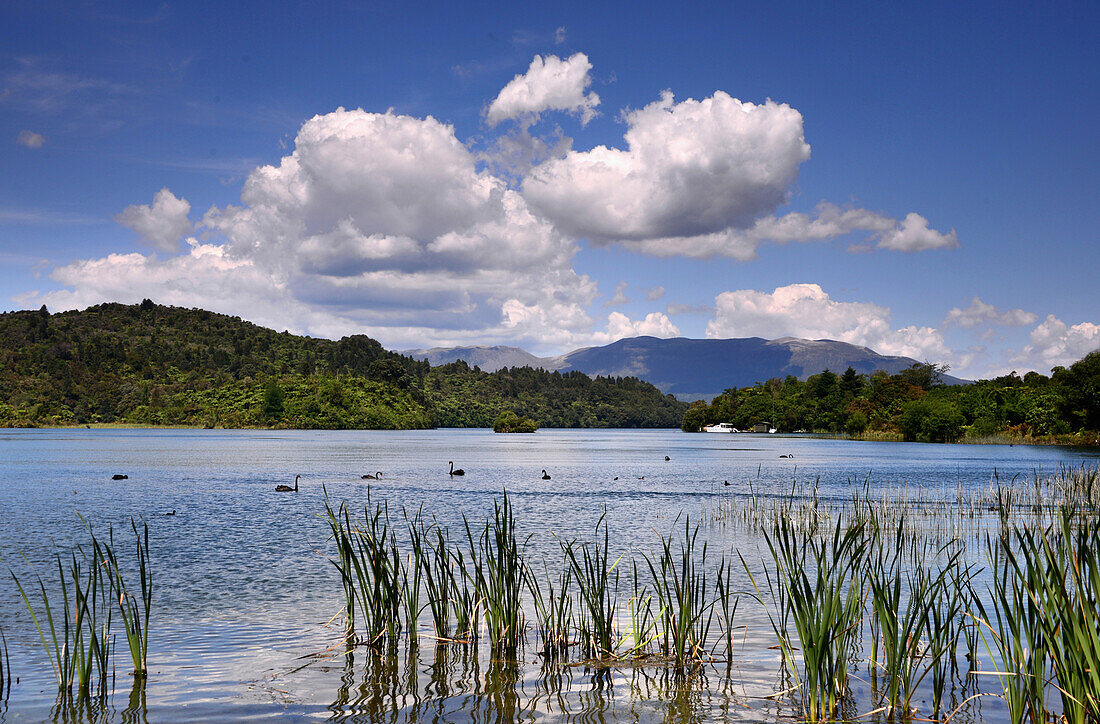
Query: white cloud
x=1054, y=343
x=619, y=297
x=913, y=234
x=30, y=139
x=620, y=326
x=807, y=311
x=550, y=84
x=654, y=293
x=980, y=313
x=375, y=223
x=559, y=35
x=690, y=168
x=700, y=179
x=160, y=225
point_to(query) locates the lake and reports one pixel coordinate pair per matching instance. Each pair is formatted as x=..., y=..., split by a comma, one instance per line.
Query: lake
x=245, y=597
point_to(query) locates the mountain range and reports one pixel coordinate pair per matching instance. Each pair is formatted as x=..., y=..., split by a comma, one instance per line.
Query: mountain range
x=690, y=369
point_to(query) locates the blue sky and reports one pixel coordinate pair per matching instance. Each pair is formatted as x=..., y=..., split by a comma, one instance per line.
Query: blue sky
x=918, y=178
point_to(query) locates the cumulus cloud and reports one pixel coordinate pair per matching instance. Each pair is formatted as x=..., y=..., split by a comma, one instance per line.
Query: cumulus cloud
x=654, y=293
x=690, y=168
x=619, y=298
x=980, y=313
x=550, y=84
x=807, y=311
x=30, y=139
x=1054, y=343
x=375, y=223
x=161, y=224
x=913, y=234
x=620, y=326
x=703, y=178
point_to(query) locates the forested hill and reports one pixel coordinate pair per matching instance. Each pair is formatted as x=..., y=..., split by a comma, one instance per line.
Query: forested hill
x=151, y=364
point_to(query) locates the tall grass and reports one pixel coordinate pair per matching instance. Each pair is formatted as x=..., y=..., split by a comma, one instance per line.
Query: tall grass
x=134, y=615
x=5, y=667
x=370, y=571
x=680, y=580
x=597, y=581
x=497, y=573
x=822, y=590
x=76, y=636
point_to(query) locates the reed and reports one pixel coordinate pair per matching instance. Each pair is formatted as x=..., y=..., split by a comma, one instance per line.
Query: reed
x=370, y=571
x=822, y=595
x=497, y=573
x=1016, y=626
x=681, y=586
x=135, y=616
x=77, y=637
x=554, y=611
x=5, y=667
x=597, y=582
x=643, y=622
x=436, y=566
x=727, y=601
x=1059, y=570
x=412, y=572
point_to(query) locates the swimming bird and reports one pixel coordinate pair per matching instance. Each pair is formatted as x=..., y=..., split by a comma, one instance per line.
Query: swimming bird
x=545, y=476
x=118, y=476
x=667, y=458
x=460, y=471
x=376, y=476
x=172, y=513
x=616, y=478
x=726, y=482
x=782, y=456
x=287, y=488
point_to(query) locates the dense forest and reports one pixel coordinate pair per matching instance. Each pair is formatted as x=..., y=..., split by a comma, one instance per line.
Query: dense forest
x=158, y=365
x=915, y=405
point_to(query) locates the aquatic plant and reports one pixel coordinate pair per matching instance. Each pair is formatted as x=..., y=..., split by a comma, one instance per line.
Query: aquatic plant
x=822, y=594
x=135, y=617
x=5, y=667
x=681, y=587
x=76, y=638
x=370, y=571
x=497, y=573
x=438, y=579
x=553, y=609
x=597, y=583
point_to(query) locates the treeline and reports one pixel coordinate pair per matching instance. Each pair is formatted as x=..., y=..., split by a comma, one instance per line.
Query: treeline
x=158, y=365
x=915, y=405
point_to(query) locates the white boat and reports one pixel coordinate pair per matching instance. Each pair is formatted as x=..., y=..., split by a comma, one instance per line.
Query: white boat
x=720, y=427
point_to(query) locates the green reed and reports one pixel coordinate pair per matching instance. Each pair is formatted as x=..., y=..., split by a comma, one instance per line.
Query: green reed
x=370, y=571
x=438, y=578
x=76, y=638
x=554, y=611
x=464, y=598
x=1053, y=586
x=1016, y=627
x=822, y=596
x=727, y=601
x=412, y=573
x=906, y=606
x=598, y=582
x=497, y=573
x=643, y=622
x=681, y=585
x=5, y=667
x=135, y=616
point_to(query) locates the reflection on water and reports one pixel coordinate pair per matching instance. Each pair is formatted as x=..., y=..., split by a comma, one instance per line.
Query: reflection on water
x=243, y=589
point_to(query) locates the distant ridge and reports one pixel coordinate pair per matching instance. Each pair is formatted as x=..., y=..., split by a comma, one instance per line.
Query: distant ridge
x=490, y=359
x=690, y=369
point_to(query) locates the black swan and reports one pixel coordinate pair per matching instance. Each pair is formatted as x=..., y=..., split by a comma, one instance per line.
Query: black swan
x=460, y=471
x=287, y=488
x=376, y=476
x=545, y=476
x=118, y=476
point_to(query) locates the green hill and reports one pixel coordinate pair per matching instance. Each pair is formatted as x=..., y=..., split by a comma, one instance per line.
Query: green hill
x=151, y=364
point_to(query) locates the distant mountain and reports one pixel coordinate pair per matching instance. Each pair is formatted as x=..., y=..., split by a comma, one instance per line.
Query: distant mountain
x=691, y=369
x=489, y=359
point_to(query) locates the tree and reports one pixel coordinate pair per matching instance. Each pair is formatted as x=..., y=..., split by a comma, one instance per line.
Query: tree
x=273, y=400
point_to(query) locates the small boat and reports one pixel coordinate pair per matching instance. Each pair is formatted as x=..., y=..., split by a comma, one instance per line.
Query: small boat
x=720, y=427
